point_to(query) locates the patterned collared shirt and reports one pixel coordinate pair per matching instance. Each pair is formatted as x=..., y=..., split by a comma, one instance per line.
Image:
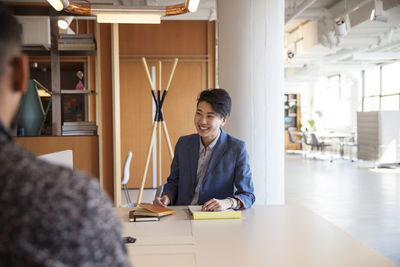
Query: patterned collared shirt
x=4, y=133
x=204, y=158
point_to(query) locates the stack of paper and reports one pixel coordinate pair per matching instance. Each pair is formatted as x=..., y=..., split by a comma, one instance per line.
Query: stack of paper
x=81, y=42
x=140, y=218
x=211, y=215
x=79, y=128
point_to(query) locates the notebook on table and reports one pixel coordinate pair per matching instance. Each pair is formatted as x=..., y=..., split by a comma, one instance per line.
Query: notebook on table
x=140, y=218
x=198, y=214
x=148, y=212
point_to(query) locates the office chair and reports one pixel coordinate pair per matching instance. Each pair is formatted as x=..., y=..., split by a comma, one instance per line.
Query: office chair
x=125, y=179
x=311, y=140
x=291, y=139
x=315, y=143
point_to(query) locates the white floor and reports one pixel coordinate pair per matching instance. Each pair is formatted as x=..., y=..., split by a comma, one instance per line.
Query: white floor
x=363, y=202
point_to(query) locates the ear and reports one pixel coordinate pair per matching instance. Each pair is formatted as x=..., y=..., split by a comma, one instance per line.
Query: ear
x=21, y=74
x=223, y=121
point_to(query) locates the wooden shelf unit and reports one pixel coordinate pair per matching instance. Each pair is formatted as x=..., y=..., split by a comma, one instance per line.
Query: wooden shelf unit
x=292, y=119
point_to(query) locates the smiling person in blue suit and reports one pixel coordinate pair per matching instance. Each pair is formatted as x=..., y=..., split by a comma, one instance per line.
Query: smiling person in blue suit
x=210, y=168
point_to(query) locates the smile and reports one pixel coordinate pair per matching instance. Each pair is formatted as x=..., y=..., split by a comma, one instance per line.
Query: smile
x=203, y=128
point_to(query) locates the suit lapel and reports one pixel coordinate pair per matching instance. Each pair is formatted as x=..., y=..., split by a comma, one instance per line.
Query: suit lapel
x=220, y=148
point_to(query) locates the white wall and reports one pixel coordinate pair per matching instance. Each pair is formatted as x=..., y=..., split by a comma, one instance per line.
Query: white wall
x=250, y=56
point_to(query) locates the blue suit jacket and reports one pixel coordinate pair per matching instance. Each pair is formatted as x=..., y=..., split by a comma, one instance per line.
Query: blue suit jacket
x=228, y=173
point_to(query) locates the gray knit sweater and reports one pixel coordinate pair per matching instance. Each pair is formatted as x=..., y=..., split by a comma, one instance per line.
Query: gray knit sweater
x=53, y=216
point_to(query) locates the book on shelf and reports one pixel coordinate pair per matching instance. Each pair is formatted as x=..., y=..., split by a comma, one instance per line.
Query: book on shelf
x=152, y=210
x=76, y=42
x=78, y=132
x=77, y=46
x=76, y=36
x=79, y=123
x=140, y=218
x=198, y=214
x=79, y=127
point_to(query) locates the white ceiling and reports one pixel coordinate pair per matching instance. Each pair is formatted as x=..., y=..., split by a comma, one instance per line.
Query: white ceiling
x=327, y=54
x=310, y=35
x=366, y=44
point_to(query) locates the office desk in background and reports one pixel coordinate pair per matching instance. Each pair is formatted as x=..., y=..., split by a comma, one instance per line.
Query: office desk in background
x=266, y=236
x=341, y=137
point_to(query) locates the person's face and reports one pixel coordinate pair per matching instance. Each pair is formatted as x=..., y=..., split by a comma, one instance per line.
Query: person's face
x=207, y=121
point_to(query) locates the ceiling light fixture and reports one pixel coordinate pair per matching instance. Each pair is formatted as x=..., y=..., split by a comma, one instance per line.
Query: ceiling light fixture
x=342, y=26
x=128, y=18
x=193, y=5
x=56, y=4
x=64, y=22
x=377, y=13
x=111, y=14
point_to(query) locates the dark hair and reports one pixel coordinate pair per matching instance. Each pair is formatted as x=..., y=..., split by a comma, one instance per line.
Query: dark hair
x=219, y=100
x=10, y=35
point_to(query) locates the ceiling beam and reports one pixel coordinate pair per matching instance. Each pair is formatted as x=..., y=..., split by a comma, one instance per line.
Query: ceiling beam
x=313, y=14
x=300, y=9
x=377, y=56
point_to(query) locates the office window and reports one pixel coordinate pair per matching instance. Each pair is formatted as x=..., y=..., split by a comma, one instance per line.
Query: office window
x=382, y=88
x=333, y=100
x=371, y=103
x=360, y=92
x=334, y=87
x=391, y=79
x=390, y=102
x=372, y=81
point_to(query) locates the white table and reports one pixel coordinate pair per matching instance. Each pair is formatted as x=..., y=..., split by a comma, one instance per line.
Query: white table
x=340, y=136
x=265, y=236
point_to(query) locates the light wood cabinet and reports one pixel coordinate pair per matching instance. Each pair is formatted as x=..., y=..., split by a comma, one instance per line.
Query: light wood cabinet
x=85, y=149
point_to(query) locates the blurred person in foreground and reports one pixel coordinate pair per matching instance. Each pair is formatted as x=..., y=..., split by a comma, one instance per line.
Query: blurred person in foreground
x=50, y=215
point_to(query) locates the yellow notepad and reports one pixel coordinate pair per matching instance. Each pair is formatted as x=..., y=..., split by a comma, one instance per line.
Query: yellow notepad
x=212, y=215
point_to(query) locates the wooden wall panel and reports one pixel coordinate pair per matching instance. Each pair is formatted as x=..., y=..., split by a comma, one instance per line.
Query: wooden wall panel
x=180, y=106
x=85, y=149
x=187, y=40
x=136, y=112
x=211, y=54
x=136, y=118
x=106, y=112
x=190, y=42
x=169, y=37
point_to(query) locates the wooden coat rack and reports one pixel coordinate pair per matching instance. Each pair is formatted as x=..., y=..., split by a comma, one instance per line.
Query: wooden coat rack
x=158, y=123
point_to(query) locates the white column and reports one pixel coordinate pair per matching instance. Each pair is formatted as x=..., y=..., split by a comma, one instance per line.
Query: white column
x=250, y=68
